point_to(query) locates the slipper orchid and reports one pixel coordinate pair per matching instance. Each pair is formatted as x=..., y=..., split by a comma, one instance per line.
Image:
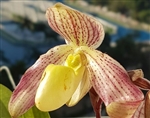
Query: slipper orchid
x=67, y=72
x=143, y=110
x=137, y=77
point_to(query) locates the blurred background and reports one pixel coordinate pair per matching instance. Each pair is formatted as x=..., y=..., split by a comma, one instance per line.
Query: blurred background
x=25, y=35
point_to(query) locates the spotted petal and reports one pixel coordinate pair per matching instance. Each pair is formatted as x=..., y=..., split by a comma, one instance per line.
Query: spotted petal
x=24, y=94
x=77, y=28
x=110, y=80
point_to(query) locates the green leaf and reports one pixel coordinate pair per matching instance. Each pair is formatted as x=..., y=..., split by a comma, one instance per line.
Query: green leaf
x=5, y=95
x=35, y=113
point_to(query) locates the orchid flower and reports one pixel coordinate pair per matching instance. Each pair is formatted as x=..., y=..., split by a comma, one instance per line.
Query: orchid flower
x=66, y=73
x=137, y=77
x=143, y=110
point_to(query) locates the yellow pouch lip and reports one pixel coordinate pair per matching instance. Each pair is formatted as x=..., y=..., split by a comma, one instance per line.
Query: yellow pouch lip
x=59, y=82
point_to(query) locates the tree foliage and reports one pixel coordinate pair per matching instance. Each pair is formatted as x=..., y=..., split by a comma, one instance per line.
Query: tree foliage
x=138, y=9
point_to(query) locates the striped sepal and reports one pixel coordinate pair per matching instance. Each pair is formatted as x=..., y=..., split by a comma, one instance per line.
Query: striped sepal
x=77, y=28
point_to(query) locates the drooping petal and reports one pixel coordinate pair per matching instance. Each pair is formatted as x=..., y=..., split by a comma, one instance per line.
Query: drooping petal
x=96, y=102
x=137, y=77
x=82, y=89
x=110, y=80
x=77, y=28
x=23, y=96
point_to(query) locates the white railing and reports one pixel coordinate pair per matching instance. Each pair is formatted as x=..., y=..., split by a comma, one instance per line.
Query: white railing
x=9, y=75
